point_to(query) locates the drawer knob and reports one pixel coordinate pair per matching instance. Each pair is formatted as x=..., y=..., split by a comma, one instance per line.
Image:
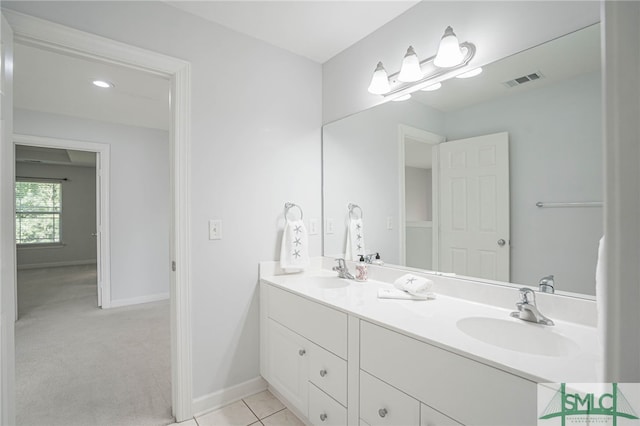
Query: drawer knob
x=323, y=417
x=323, y=373
x=382, y=412
x=301, y=352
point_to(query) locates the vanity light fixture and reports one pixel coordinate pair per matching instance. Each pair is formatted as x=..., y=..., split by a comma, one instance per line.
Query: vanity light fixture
x=416, y=75
x=380, y=81
x=103, y=84
x=410, y=70
x=472, y=73
x=432, y=87
x=449, y=52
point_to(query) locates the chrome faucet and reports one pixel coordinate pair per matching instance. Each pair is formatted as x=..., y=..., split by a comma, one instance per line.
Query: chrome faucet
x=528, y=310
x=546, y=284
x=343, y=270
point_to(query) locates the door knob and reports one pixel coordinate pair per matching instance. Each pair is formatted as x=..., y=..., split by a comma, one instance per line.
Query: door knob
x=323, y=373
x=301, y=352
x=501, y=242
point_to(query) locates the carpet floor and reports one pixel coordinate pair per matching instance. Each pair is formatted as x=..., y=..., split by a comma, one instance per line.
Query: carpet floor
x=77, y=364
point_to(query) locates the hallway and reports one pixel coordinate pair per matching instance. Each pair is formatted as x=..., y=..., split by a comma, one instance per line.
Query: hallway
x=79, y=365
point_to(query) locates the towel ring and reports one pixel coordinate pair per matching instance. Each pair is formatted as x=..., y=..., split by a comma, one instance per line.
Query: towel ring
x=352, y=207
x=288, y=206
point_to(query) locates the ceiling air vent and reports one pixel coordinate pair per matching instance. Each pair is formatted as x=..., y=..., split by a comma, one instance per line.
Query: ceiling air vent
x=524, y=79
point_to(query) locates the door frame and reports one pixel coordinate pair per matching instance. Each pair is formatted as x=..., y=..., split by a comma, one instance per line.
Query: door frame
x=433, y=139
x=59, y=38
x=102, y=169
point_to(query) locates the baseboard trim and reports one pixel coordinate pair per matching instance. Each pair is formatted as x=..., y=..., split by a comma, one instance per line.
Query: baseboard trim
x=137, y=300
x=215, y=400
x=57, y=264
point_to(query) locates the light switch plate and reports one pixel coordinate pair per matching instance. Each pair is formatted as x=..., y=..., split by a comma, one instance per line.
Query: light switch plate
x=215, y=229
x=313, y=226
x=389, y=223
x=328, y=229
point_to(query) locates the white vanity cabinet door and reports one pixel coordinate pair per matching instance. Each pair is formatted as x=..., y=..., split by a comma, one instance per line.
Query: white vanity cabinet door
x=288, y=363
x=384, y=405
x=431, y=417
x=329, y=373
x=324, y=410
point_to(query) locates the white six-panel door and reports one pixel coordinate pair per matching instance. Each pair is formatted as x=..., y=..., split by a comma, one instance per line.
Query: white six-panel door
x=474, y=207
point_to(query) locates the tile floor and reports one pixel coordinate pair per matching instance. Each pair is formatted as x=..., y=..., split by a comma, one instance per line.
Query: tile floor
x=260, y=409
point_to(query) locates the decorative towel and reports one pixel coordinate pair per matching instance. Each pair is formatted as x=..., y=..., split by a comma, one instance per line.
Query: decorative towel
x=394, y=293
x=413, y=285
x=355, y=240
x=294, y=253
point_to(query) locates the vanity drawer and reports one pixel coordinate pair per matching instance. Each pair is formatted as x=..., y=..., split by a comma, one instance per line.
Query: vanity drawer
x=324, y=410
x=322, y=325
x=450, y=383
x=431, y=417
x=381, y=404
x=329, y=373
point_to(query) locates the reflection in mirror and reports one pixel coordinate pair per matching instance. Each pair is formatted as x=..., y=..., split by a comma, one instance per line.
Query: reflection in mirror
x=417, y=192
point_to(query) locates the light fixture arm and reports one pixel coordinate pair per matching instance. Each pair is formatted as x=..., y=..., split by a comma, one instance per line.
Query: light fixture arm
x=430, y=71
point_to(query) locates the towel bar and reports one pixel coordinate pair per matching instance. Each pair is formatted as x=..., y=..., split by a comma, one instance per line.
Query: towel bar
x=352, y=207
x=288, y=206
x=576, y=204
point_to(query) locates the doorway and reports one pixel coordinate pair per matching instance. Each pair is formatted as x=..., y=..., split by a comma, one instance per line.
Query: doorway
x=62, y=39
x=418, y=177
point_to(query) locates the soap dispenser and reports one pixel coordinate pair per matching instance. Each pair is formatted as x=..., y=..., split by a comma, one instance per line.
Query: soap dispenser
x=362, y=274
x=377, y=260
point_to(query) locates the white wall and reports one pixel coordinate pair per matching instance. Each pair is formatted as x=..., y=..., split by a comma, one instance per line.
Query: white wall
x=139, y=195
x=498, y=29
x=255, y=130
x=361, y=160
x=555, y=155
x=78, y=219
x=418, y=194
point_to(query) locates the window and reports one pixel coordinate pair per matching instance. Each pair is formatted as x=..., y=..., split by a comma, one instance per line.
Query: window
x=38, y=209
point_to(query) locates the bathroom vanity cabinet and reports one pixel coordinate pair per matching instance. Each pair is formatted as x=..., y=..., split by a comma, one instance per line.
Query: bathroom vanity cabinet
x=338, y=355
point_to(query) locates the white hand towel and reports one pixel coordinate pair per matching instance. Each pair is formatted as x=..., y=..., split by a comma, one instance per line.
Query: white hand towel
x=394, y=293
x=355, y=240
x=413, y=285
x=294, y=252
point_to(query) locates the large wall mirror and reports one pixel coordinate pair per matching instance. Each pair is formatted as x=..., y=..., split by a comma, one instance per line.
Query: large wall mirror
x=497, y=177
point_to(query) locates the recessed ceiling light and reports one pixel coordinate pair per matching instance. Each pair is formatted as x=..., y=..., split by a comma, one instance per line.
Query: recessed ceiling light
x=103, y=84
x=469, y=74
x=432, y=87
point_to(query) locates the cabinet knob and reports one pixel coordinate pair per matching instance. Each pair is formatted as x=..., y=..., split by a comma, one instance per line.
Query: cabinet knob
x=301, y=352
x=323, y=373
x=382, y=412
x=323, y=417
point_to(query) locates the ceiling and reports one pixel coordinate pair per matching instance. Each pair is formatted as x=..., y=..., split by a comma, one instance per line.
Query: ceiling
x=61, y=157
x=57, y=83
x=315, y=29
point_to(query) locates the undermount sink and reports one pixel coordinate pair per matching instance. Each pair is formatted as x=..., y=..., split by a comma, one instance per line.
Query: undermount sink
x=518, y=335
x=327, y=282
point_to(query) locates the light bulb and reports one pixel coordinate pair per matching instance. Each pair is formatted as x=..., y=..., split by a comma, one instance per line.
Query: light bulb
x=402, y=98
x=449, y=53
x=380, y=81
x=472, y=73
x=410, y=70
x=431, y=88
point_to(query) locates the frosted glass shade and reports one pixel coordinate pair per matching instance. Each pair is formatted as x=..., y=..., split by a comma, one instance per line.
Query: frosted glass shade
x=402, y=98
x=410, y=70
x=449, y=53
x=431, y=88
x=380, y=81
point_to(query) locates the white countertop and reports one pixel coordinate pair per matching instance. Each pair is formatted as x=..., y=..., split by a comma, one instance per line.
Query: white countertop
x=434, y=322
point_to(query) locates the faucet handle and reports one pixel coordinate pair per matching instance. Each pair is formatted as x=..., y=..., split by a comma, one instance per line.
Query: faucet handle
x=341, y=262
x=524, y=295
